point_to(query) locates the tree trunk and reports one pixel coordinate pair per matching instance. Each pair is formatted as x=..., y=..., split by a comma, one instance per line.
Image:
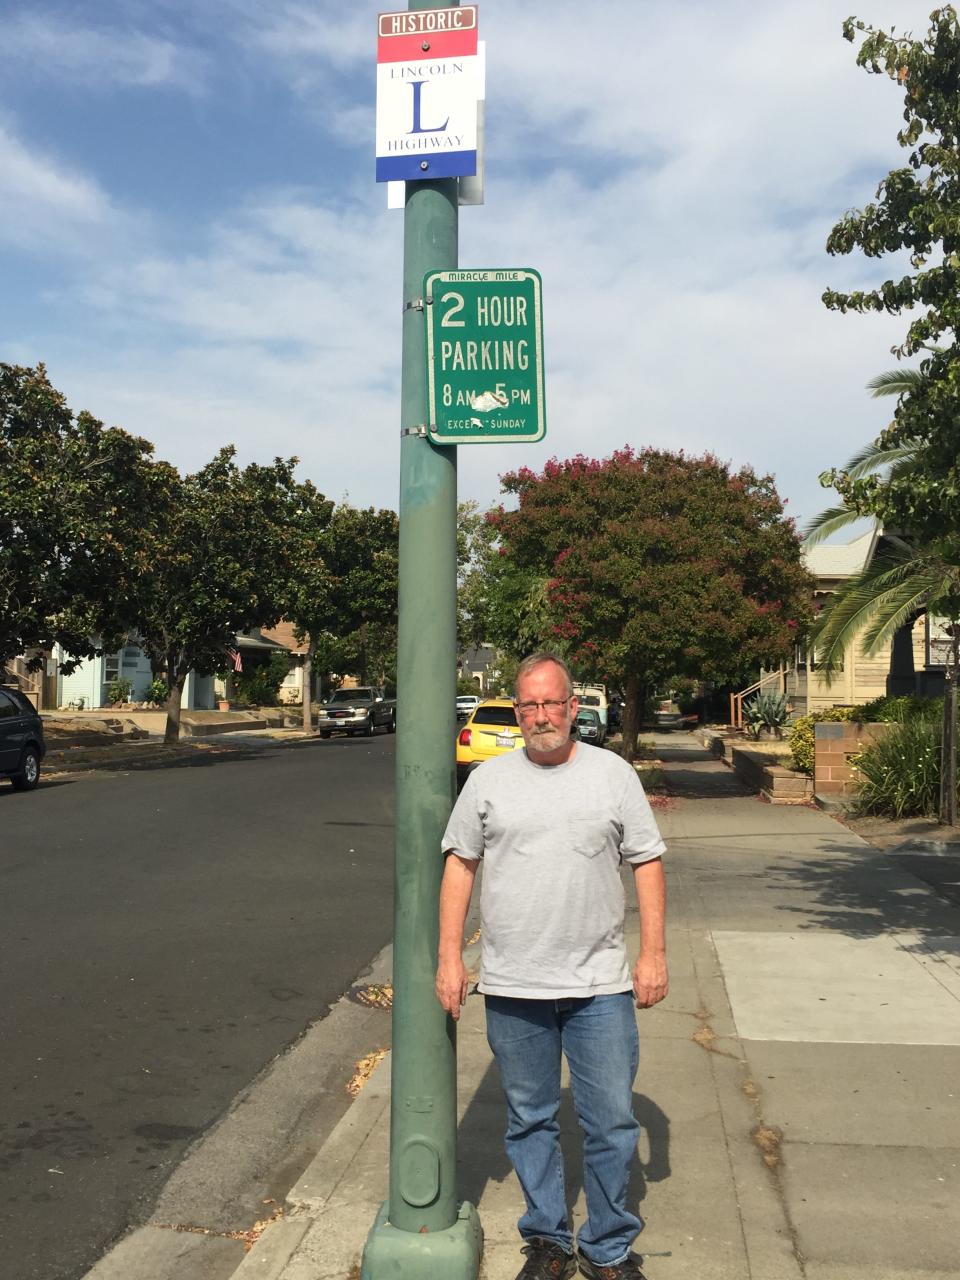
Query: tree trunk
x=902, y=677
x=308, y=689
x=948, y=758
x=362, y=654
x=176, y=681
x=632, y=712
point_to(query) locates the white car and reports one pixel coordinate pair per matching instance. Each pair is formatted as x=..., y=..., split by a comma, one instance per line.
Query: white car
x=466, y=705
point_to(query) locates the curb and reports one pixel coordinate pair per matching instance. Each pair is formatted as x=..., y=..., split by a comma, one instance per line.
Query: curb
x=154, y=1251
x=305, y=1201
x=57, y=763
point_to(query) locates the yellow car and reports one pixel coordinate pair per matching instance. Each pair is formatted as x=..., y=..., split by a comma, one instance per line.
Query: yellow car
x=491, y=730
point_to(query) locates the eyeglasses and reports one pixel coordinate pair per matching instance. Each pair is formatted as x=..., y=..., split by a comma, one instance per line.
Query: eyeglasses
x=550, y=705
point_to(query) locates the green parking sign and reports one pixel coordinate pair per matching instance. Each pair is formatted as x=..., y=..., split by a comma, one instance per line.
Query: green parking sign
x=484, y=355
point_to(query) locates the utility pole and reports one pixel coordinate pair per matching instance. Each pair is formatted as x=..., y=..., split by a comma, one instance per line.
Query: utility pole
x=422, y=1233
x=948, y=751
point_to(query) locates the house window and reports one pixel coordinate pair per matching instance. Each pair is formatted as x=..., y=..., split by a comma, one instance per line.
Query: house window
x=111, y=667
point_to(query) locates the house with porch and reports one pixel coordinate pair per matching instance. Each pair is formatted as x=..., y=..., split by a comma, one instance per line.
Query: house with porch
x=909, y=664
x=88, y=685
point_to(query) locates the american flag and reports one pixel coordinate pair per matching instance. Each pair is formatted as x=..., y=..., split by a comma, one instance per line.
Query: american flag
x=234, y=656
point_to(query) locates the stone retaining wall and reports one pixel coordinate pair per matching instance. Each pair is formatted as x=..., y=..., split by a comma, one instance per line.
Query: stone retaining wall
x=775, y=784
x=836, y=741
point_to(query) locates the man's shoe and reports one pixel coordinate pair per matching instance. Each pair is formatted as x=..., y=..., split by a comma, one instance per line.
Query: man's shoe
x=626, y=1270
x=546, y=1260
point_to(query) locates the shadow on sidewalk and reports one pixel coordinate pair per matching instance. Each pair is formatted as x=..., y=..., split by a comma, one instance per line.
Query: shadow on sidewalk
x=695, y=784
x=483, y=1160
x=868, y=894
x=693, y=773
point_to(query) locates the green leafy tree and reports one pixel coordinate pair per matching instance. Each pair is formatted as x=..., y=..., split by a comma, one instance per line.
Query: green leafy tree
x=657, y=566
x=499, y=602
x=474, y=538
x=71, y=494
x=917, y=210
x=308, y=604
x=219, y=553
x=361, y=547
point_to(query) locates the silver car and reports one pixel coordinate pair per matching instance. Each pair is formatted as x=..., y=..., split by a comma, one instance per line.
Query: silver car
x=590, y=726
x=467, y=703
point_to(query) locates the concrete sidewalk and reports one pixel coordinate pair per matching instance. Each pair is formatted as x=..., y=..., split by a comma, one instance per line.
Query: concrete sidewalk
x=798, y=1091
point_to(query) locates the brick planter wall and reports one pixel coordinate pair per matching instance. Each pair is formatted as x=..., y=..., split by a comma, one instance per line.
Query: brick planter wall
x=836, y=742
x=775, y=784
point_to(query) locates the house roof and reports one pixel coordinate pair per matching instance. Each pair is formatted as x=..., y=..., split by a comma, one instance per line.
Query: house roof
x=254, y=640
x=842, y=560
x=282, y=634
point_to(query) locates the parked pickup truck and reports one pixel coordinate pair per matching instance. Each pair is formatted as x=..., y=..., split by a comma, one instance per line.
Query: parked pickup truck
x=359, y=710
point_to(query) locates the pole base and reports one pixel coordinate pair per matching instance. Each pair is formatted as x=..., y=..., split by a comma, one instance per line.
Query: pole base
x=453, y=1254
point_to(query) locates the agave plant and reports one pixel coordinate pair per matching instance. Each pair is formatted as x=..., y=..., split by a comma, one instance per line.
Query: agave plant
x=765, y=710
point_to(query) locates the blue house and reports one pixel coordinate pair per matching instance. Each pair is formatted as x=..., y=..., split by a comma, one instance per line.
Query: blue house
x=88, y=686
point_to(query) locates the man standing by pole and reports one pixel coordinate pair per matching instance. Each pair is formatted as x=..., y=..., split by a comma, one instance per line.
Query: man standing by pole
x=422, y=1233
x=553, y=823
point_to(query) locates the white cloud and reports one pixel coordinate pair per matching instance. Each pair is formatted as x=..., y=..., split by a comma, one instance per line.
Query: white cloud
x=45, y=202
x=98, y=58
x=311, y=33
x=671, y=170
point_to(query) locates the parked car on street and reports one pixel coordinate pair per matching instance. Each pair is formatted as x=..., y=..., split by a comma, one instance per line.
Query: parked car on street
x=595, y=696
x=466, y=703
x=21, y=740
x=590, y=726
x=490, y=731
x=353, y=711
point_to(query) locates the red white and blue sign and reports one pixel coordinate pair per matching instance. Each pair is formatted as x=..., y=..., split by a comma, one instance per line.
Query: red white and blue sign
x=429, y=83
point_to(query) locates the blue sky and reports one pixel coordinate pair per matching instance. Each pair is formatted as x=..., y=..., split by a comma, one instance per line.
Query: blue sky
x=191, y=238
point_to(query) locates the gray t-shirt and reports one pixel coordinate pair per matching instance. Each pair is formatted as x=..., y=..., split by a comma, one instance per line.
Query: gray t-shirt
x=552, y=839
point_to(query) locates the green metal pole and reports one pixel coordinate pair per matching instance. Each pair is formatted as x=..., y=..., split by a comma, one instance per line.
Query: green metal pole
x=422, y=1232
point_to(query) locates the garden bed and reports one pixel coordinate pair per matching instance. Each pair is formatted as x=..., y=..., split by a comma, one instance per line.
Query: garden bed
x=775, y=783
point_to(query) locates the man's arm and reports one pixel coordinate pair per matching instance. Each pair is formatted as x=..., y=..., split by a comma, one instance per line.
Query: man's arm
x=650, y=983
x=456, y=888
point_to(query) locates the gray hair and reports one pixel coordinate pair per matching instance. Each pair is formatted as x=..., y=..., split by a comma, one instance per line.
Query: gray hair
x=538, y=660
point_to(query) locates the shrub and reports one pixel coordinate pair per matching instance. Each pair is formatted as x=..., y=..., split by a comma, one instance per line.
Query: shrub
x=119, y=690
x=158, y=692
x=899, y=774
x=887, y=710
x=262, y=684
x=802, y=738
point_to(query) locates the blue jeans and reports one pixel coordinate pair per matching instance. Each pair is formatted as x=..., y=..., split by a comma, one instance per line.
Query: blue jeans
x=598, y=1035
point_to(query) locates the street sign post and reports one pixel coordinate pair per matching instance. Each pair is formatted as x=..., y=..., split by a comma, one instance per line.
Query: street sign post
x=424, y=1231
x=484, y=353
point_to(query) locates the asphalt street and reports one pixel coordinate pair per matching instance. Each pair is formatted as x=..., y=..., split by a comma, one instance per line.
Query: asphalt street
x=166, y=934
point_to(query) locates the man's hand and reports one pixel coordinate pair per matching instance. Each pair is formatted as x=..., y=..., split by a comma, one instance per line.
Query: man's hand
x=451, y=986
x=650, y=984
x=455, y=890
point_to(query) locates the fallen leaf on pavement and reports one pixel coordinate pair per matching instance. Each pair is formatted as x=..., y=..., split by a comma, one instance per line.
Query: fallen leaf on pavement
x=365, y=1069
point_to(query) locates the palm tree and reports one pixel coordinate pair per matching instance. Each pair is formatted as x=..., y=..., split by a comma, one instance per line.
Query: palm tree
x=898, y=461
x=901, y=582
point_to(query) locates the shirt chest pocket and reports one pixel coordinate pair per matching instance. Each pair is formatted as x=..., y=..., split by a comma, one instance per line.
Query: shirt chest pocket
x=589, y=834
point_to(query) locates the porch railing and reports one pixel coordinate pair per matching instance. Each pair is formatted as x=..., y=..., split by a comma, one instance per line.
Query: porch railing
x=30, y=683
x=737, y=699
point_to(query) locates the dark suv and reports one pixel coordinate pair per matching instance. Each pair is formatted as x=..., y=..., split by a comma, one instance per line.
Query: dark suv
x=21, y=740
